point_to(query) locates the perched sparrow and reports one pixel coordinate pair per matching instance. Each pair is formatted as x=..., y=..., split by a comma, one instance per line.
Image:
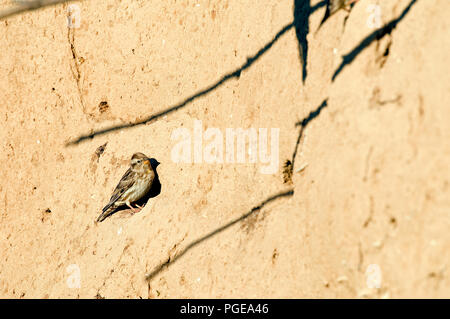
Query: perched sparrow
x=135, y=183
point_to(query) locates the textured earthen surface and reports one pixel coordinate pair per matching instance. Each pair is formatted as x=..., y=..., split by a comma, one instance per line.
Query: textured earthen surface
x=371, y=173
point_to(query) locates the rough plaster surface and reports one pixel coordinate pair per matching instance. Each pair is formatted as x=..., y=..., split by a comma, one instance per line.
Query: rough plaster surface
x=374, y=188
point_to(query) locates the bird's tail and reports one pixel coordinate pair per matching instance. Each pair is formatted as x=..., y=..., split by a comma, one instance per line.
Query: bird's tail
x=107, y=210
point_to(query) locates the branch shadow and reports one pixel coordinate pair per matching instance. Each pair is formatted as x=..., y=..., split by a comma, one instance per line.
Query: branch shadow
x=375, y=35
x=193, y=244
x=234, y=74
x=325, y=17
x=328, y=14
x=301, y=24
x=302, y=11
x=289, y=165
x=303, y=123
x=26, y=6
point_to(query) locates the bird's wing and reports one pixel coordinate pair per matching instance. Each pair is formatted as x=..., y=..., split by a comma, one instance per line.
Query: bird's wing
x=125, y=183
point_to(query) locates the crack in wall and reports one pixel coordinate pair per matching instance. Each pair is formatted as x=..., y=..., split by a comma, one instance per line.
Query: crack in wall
x=75, y=64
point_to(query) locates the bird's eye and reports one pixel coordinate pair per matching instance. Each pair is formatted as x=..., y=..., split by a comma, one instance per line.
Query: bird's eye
x=139, y=161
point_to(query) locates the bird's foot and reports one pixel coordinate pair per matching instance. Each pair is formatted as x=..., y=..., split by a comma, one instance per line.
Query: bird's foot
x=135, y=209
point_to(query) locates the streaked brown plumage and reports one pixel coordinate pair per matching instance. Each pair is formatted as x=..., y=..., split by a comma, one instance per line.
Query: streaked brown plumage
x=133, y=185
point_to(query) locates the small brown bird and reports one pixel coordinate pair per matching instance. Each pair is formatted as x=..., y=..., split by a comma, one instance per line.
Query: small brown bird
x=134, y=184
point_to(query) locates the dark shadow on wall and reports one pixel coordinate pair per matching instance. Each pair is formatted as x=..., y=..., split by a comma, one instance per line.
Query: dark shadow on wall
x=234, y=74
x=303, y=123
x=332, y=9
x=193, y=244
x=301, y=24
x=289, y=165
x=30, y=5
x=375, y=35
x=155, y=190
x=302, y=11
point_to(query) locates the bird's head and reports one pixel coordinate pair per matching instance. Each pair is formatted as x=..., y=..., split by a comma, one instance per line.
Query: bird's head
x=140, y=162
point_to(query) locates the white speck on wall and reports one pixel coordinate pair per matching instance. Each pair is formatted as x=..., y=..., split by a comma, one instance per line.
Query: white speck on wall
x=74, y=278
x=39, y=142
x=335, y=51
x=342, y=279
x=198, y=279
x=373, y=276
x=119, y=231
x=377, y=244
x=302, y=167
